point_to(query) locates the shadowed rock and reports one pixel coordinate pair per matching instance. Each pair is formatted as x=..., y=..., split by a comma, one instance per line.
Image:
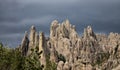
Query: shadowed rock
x=24, y=44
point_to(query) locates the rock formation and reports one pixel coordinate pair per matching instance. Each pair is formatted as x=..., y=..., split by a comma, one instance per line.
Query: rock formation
x=90, y=51
x=43, y=48
x=34, y=41
x=32, y=37
x=25, y=44
x=60, y=65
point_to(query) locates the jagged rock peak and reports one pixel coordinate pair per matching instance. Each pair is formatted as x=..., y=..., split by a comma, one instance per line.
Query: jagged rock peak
x=54, y=22
x=32, y=30
x=88, y=33
x=41, y=34
x=32, y=36
x=68, y=25
x=53, y=27
x=65, y=29
x=24, y=38
x=43, y=48
x=89, y=30
x=79, y=53
x=24, y=44
x=67, y=22
x=26, y=34
x=32, y=27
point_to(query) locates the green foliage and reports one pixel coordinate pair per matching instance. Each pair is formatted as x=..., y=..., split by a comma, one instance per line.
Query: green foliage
x=11, y=59
x=32, y=61
x=49, y=64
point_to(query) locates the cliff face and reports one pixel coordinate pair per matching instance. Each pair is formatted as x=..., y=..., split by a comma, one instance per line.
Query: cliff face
x=88, y=52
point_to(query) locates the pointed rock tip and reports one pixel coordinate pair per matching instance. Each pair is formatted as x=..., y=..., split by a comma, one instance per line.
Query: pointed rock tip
x=54, y=22
x=33, y=27
x=67, y=21
x=26, y=33
x=89, y=27
x=41, y=33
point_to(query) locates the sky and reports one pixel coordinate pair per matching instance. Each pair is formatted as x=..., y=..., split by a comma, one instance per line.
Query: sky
x=17, y=16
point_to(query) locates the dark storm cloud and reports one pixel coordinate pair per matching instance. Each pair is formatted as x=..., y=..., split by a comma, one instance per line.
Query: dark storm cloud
x=17, y=16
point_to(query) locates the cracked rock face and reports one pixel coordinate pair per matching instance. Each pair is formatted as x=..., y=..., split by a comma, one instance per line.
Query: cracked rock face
x=90, y=51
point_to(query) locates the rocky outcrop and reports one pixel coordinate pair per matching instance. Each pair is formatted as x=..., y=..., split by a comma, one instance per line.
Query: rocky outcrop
x=43, y=48
x=70, y=51
x=34, y=41
x=90, y=47
x=60, y=65
x=66, y=66
x=53, y=55
x=63, y=37
x=25, y=44
x=32, y=36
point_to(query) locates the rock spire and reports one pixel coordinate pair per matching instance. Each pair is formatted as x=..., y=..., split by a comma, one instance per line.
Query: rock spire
x=88, y=52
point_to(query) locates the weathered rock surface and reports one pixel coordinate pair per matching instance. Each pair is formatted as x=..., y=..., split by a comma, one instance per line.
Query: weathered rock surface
x=60, y=65
x=25, y=44
x=90, y=51
x=43, y=48
x=34, y=41
x=32, y=36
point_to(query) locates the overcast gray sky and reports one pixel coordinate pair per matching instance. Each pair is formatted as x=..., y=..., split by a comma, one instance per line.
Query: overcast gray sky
x=17, y=16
